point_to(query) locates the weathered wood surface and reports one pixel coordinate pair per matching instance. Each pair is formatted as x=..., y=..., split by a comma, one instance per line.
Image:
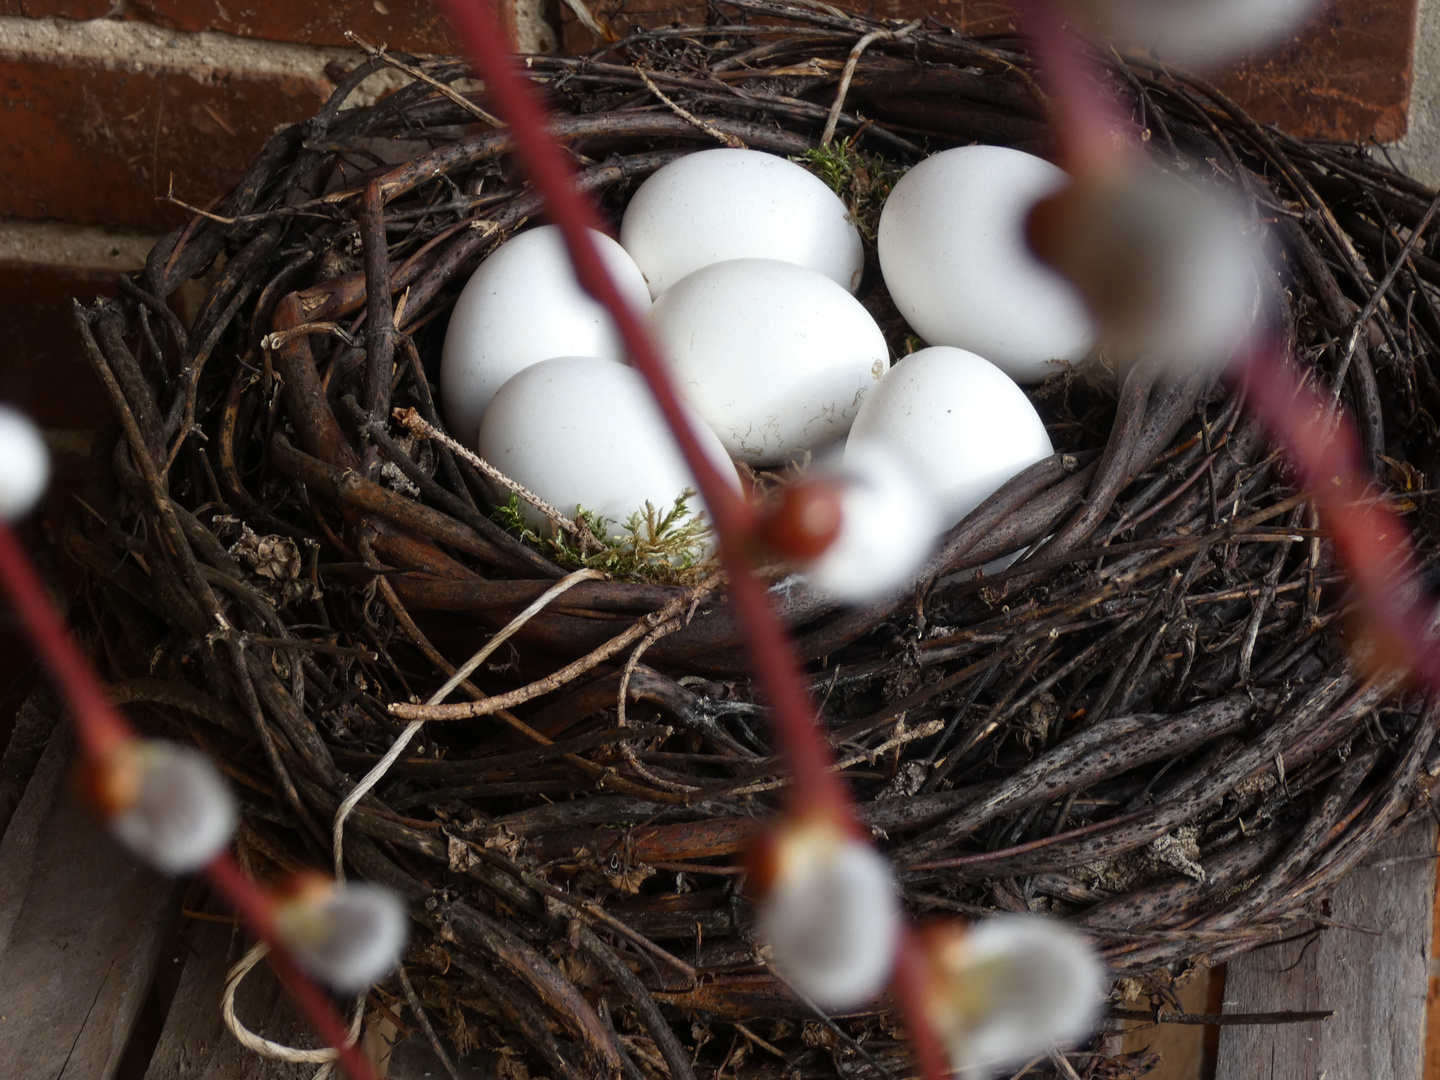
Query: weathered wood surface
x=195, y=1044
x=36, y=722
x=81, y=928
x=1376, y=982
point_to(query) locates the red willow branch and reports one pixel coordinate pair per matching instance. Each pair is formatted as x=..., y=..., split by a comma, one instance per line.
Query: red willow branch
x=100, y=728
x=103, y=734
x=1316, y=437
x=816, y=788
x=1085, y=117
x=1372, y=542
x=257, y=910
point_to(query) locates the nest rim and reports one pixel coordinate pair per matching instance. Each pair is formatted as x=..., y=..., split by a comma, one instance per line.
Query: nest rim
x=275, y=419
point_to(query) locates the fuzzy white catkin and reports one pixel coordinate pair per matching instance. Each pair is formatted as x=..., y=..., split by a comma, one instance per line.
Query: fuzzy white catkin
x=832, y=922
x=1200, y=31
x=1208, y=285
x=24, y=464
x=183, y=814
x=1186, y=257
x=1020, y=984
x=347, y=938
x=888, y=524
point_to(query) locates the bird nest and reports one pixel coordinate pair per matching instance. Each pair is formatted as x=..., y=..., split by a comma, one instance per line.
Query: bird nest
x=1148, y=726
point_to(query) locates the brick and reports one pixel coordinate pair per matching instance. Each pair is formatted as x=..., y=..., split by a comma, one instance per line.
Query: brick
x=42, y=266
x=969, y=16
x=413, y=25
x=1345, y=76
x=94, y=142
x=64, y=9
x=45, y=374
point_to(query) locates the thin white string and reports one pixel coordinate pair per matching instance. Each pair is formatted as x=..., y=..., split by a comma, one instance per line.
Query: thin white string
x=374, y=776
x=258, y=1044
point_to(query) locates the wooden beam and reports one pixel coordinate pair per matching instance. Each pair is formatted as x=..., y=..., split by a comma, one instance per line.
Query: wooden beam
x=81, y=928
x=1374, y=976
x=195, y=1044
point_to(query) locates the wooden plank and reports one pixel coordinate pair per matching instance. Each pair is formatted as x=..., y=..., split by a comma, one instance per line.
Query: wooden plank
x=1432, y=1005
x=195, y=1044
x=1181, y=1046
x=33, y=727
x=81, y=928
x=1375, y=982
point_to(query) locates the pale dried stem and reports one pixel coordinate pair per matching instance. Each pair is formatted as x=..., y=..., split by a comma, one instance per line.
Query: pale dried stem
x=262, y=1046
x=380, y=53
x=413, y=422
x=732, y=141
x=552, y=682
x=848, y=72
x=376, y=774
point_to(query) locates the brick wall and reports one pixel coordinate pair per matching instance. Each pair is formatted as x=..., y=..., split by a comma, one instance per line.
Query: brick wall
x=109, y=107
x=105, y=108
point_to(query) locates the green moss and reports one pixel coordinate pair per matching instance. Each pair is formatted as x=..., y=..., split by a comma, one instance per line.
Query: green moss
x=664, y=549
x=863, y=181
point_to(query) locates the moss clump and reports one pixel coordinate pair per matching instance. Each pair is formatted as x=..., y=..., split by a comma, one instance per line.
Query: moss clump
x=863, y=181
x=672, y=548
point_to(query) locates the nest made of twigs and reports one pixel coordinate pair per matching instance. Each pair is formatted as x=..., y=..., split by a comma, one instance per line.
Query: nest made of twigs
x=1148, y=726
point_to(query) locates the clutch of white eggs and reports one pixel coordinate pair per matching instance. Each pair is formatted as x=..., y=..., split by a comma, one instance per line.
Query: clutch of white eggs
x=752, y=262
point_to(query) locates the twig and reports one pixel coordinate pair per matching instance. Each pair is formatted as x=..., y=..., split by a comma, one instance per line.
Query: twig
x=571, y=671
x=423, y=1019
x=412, y=421
x=769, y=1048
x=732, y=141
x=384, y=56
x=900, y=738
x=634, y=659
x=1378, y=295
x=1062, y=1065
x=848, y=72
x=279, y=337
x=835, y=1029
x=381, y=767
x=1223, y=1019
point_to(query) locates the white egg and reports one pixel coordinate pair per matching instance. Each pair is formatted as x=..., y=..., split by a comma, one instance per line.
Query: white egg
x=523, y=305
x=956, y=262
x=775, y=357
x=721, y=204
x=583, y=432
x=961, y=421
